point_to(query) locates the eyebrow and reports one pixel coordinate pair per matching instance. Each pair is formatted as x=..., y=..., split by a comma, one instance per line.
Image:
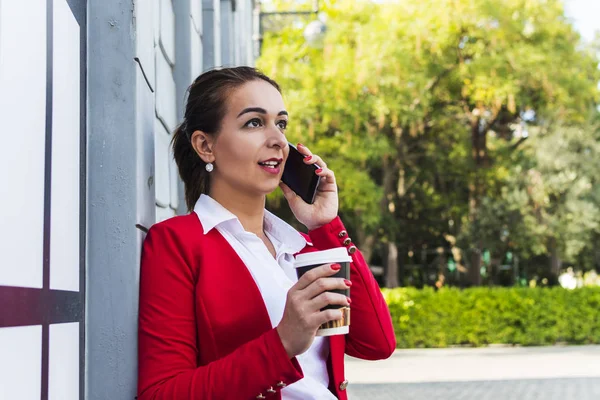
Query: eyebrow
x=259, y=110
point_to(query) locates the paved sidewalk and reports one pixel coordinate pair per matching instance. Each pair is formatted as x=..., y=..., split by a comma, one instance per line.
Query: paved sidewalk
x=515, y=373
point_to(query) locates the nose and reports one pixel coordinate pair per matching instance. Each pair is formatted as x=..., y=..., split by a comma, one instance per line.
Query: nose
x=276, y=138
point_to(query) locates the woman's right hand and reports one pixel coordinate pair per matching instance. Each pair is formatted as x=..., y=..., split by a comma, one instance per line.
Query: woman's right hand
x=302, y=315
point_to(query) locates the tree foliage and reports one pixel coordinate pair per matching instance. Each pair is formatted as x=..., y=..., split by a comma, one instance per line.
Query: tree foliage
x=441, y=119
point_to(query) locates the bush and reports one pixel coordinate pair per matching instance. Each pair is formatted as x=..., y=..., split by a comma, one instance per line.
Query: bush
x=481, y=316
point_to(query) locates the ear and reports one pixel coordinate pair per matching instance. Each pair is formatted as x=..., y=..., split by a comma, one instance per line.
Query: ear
x=203, y=144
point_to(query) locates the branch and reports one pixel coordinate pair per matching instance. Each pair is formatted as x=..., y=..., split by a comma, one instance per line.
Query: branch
x=431, y=85
x=500, y=114
x=514, y=146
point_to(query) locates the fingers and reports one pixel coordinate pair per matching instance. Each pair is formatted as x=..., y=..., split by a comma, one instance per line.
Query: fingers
x=287, y=192
x=315, y=159
x=303, y=149
x=311, y=158
x=329, y=298
x=314, y=274
x=329, y=315
x=327, y=176
x=323, y=285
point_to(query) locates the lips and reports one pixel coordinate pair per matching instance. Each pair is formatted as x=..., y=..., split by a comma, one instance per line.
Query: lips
x=271, y=162
x=271, y=165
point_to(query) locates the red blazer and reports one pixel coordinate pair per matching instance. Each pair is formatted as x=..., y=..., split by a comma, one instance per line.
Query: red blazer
x=204, y=331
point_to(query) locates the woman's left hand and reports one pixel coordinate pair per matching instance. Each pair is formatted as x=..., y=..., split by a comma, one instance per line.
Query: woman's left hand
x=325, y=207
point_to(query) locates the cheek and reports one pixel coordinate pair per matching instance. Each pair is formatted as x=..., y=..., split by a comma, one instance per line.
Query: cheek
x=237, y=152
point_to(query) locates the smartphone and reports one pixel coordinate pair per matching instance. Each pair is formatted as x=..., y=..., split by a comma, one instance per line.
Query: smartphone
x=300, y=177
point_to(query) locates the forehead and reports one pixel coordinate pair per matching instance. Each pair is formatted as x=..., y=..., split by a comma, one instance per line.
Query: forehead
x=256, y=93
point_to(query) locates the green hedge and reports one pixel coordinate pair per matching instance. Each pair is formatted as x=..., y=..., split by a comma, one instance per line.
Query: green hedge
x=481, y=316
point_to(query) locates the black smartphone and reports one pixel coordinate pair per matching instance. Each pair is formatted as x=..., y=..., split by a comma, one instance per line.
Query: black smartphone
x=300, y=177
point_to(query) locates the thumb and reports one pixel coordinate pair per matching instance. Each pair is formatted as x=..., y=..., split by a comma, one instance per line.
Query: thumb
x=287, y=192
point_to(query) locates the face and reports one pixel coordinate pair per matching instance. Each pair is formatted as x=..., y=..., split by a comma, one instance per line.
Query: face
x=250, y=150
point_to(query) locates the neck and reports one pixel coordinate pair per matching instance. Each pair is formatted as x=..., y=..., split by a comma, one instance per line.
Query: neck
x=249, y=208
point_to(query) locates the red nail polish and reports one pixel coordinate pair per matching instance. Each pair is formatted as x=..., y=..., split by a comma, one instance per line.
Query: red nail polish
x=307, y=158
x=347, y=282
x=349, y=300
x=336, y=267
x=319, y=170
x=300, y=145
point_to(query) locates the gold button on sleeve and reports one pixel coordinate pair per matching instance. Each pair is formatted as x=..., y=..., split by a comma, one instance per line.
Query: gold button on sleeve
x=344, y=385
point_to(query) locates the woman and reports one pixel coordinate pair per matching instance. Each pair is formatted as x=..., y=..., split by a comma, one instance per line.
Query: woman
x=222, y=314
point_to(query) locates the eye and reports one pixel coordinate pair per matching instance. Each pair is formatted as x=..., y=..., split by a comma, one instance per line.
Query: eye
x=253, y=123
x=282, y=124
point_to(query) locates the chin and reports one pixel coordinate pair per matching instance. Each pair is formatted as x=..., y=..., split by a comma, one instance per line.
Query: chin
x=268, y=189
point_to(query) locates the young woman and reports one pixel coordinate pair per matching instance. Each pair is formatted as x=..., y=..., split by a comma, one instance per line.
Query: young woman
x=222, y=314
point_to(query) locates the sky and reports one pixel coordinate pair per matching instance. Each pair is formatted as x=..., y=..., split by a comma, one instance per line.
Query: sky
x=585, y=15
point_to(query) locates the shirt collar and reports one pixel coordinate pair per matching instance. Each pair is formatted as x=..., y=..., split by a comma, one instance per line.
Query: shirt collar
x=293, y=241
x=212, y=214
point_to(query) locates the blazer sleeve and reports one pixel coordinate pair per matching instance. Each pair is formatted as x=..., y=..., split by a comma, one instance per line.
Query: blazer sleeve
x=168, y=349
x=371, y=334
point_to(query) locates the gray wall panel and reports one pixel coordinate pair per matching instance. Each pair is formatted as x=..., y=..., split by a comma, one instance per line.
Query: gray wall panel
x=211, y=31
x=112, y=251
x=227, y=34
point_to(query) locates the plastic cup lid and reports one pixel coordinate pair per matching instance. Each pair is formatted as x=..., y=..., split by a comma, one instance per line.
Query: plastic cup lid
x=336, y=255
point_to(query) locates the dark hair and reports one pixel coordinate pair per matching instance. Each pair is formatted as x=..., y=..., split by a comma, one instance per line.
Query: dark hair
x=204, y=111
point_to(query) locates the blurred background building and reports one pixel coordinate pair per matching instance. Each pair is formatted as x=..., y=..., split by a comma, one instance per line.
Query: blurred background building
x=90, y=92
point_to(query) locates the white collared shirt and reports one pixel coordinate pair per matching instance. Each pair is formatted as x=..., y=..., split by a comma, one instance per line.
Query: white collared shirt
x=274, y=278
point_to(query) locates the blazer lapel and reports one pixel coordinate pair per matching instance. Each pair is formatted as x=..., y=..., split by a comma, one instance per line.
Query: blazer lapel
x=231, y=298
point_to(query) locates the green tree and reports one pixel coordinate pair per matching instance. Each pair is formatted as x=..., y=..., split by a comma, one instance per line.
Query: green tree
x=420, y=107
x=549, y=204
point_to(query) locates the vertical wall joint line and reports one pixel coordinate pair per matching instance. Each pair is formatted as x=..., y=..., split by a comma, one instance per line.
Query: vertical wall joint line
x=47, y=187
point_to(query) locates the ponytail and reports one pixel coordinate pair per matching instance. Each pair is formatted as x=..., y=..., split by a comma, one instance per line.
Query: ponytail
x=191, y=167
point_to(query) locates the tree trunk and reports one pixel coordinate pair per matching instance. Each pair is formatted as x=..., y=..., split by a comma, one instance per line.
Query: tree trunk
x=401, y=267
x=391, y=276
x=478, y=152
x=476, y=246
x=366, y=244
x=388, y=209
x=475, y=267
x=555, y=261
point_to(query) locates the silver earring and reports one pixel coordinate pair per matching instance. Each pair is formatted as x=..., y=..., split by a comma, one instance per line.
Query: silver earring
x=209, y=167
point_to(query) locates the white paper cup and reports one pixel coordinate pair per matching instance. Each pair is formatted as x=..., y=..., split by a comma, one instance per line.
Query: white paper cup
x=339, y=255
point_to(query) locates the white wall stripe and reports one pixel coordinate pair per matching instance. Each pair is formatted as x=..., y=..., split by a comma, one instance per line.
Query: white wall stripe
x=63, y=367
x=64, y=236
x=161, y=164
x=21, y=362
x=22, y=141
x=173, y=180
x=196, y=54
x=167, y=30
x=144, y=11
x=164, y=213
x=165, y=92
